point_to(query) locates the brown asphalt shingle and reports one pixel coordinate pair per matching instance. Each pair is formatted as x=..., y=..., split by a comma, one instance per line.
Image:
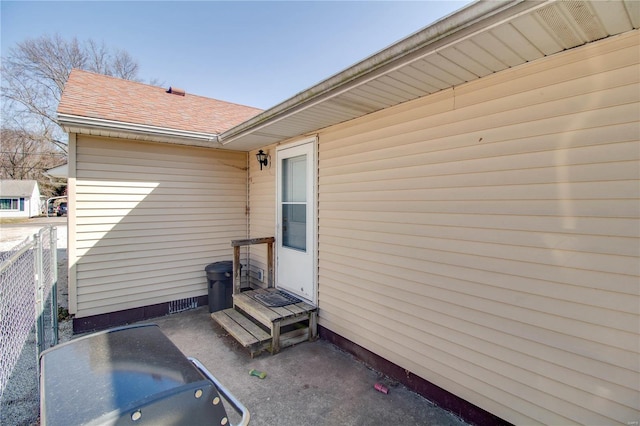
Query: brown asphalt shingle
x=87, y=94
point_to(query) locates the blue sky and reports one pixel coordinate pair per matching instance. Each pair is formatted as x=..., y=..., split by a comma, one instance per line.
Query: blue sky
x=251, y=53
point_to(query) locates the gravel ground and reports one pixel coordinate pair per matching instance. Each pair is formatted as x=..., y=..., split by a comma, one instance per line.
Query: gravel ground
x=14, y=231
x=20, y=400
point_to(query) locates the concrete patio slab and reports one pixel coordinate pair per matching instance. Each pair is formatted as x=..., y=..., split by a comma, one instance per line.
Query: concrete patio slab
x=312, y=383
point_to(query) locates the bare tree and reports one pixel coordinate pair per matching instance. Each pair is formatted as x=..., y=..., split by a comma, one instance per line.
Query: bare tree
x=124, y=66
x=26, y=156
x=34, y=74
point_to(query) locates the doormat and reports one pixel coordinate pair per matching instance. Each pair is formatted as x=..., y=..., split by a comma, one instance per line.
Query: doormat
x=276, y=299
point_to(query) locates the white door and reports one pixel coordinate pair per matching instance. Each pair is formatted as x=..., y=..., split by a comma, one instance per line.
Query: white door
x=295, y=248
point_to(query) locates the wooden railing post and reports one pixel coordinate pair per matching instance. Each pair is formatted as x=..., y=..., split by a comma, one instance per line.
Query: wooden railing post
x=270, y=278
x=237, y=270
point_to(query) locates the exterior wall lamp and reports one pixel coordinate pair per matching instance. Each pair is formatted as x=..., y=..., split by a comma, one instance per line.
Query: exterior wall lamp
x=263, y=158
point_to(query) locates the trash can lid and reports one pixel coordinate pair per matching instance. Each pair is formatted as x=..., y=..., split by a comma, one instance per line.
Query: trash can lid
x=223, y=266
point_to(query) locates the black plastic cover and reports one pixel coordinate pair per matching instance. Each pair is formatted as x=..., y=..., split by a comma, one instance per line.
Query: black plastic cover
x=128, y=375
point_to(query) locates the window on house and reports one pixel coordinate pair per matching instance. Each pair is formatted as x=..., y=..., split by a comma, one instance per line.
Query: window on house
x=9, y=204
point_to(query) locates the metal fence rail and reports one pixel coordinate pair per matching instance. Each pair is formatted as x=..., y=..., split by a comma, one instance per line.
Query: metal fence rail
x=28, y=312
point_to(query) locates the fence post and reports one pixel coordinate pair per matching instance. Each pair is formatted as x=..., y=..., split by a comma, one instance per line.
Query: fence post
x=39, y=297
x=54, y=286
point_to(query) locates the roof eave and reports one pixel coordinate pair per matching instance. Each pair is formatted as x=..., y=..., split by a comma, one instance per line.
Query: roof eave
x=101, y=127
x=449, y=27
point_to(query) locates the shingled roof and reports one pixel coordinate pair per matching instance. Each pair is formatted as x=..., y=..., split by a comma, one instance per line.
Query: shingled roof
x=17, y=188
x=97, y=96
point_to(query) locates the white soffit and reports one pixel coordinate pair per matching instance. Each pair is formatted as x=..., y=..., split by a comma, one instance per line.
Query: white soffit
x=480, y=39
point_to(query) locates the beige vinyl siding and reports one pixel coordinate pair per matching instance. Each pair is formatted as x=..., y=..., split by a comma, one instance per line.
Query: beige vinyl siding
x=487, y=238
x=149, y=218
x=262, y=216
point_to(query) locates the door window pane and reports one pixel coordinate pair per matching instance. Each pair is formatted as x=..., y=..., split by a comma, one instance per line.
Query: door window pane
x=294, y=179
x=294, y=197
x=294, y=226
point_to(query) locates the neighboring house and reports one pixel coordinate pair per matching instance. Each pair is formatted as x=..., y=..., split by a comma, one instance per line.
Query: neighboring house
x=57, y=177
x=60, y=172
x=463, y=207
x=19, y=199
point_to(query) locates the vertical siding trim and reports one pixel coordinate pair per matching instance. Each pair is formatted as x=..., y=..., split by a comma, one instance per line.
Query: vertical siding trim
x=71, y=225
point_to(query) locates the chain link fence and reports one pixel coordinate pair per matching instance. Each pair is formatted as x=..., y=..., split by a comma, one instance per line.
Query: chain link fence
x=28, y=319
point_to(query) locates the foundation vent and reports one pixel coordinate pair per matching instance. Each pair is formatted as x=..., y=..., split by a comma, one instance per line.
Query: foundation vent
x=181, y=305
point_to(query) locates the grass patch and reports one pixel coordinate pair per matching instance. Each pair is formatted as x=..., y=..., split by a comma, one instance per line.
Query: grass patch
x=63, y=314
x=9, y=220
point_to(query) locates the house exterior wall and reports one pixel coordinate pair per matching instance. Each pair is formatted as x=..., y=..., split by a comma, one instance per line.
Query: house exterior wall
x=262, y=214
x=27, y=206
x=35, y=203
x=486, y=238
x=147, y=220
x=30, y=208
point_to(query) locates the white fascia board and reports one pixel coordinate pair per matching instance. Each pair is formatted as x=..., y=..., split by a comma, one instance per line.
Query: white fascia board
x=68, y=120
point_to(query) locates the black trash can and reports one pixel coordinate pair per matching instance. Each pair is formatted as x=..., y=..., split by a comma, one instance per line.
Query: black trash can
x=220, y=277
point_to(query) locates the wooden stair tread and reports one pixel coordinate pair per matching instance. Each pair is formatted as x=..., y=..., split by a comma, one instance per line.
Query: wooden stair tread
x=240, y=327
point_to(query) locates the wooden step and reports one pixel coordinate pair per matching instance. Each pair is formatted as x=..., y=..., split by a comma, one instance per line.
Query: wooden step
x=286, y=325
x=288, y=314
x=243, y=330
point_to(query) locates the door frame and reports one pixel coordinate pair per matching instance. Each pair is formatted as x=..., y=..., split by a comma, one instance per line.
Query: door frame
x=313, y=244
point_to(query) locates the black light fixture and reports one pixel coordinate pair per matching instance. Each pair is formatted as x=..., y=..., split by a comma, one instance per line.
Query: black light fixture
x=263, y=158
